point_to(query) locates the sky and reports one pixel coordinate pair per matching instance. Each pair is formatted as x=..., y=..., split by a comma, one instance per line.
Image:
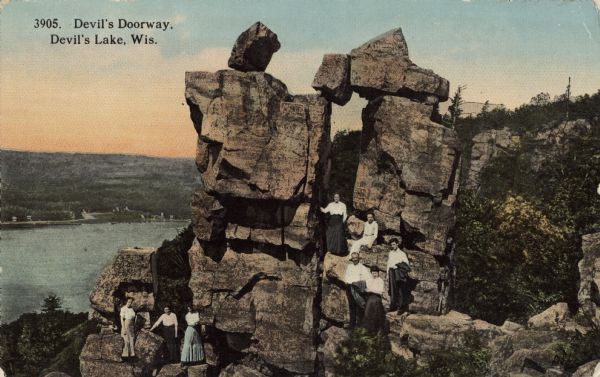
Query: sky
x=130, y=98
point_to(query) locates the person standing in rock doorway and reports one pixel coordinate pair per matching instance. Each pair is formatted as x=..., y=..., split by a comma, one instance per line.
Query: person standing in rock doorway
x=336, y=236
x=398, y=268
x=356, y=277
x=369, y=235
x=192, y=351
x=127, y=316
x=169, y=328
x=374, y=319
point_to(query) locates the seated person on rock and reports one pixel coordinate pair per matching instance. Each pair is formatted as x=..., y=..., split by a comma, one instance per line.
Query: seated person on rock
x=356, y=277
x=398, y=268
x=374, y=320
x=369, y=234
x=336, y=236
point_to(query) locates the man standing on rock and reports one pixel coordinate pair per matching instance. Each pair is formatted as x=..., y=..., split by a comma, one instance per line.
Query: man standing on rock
x=128, y=329
x=398, y=267
x=369, y=234
x=169, y=326
x=356, y=277
x=336, y=237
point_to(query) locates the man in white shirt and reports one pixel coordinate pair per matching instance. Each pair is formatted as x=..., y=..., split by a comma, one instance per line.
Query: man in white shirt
x=356, y=277
x=398, y=267
x=369, y=234
x=128, y=329
x=336, y=236
x=169, y=326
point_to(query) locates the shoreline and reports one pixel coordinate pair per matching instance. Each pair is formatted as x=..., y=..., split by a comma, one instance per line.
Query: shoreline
x=45, y=223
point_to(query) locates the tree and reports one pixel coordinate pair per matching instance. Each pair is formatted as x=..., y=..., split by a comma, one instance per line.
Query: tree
x=52, y=303
x=455, y=108
x=540, y=99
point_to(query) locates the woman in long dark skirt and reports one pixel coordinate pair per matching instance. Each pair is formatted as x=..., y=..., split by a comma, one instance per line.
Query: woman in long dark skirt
x=336, y=236
x=374, y=319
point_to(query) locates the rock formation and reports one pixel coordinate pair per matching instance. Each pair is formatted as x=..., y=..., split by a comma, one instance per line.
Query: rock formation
x=262, y=153
x=407, y=174
x=272, y=302
x=253, y=49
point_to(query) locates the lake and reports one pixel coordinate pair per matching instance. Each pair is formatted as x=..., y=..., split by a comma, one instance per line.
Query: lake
x=65, y=260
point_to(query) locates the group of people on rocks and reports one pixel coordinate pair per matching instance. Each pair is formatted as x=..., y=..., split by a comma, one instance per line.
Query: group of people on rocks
x=192, y=351
x=364, y=286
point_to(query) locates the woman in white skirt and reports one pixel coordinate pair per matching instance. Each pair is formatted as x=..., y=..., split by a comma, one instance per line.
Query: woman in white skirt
x=192, y=351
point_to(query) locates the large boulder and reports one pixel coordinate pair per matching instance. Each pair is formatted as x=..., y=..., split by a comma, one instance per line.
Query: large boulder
x=129, y=275
x=333, y=78
x=589, y=272
x=102, y=352
x=253, y=49
x=381, y=66
x=553, y=318
x=407, y=172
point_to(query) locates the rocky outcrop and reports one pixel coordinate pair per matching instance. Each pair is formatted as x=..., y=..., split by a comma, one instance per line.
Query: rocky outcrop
x=102, y=352
x=381, y=66
x=556, y=139
x=514, y=349
x=253, y=49
x=589, y=272
x=131, y=274
x=486, y=145
x=333, y=78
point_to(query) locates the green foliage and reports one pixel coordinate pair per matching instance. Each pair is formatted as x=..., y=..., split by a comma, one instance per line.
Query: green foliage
x=518, y=238
x=468, y=360
x=30, y=343
x=344, y=163
x=455, y=108
x=364, y=355
x=578, y=350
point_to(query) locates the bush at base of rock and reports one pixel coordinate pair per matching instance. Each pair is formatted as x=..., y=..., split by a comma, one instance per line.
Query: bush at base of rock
x=371, y=356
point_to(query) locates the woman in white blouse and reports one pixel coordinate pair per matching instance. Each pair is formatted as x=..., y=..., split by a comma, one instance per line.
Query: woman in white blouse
x=369, y=234
x=169, y=326
x=336, y=237
x=192, y=351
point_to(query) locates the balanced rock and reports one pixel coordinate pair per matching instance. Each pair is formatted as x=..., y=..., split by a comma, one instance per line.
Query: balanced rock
x=333, y=78
x=407, y=172
x=382, y=66
x=253, y=49
x=589, y=272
